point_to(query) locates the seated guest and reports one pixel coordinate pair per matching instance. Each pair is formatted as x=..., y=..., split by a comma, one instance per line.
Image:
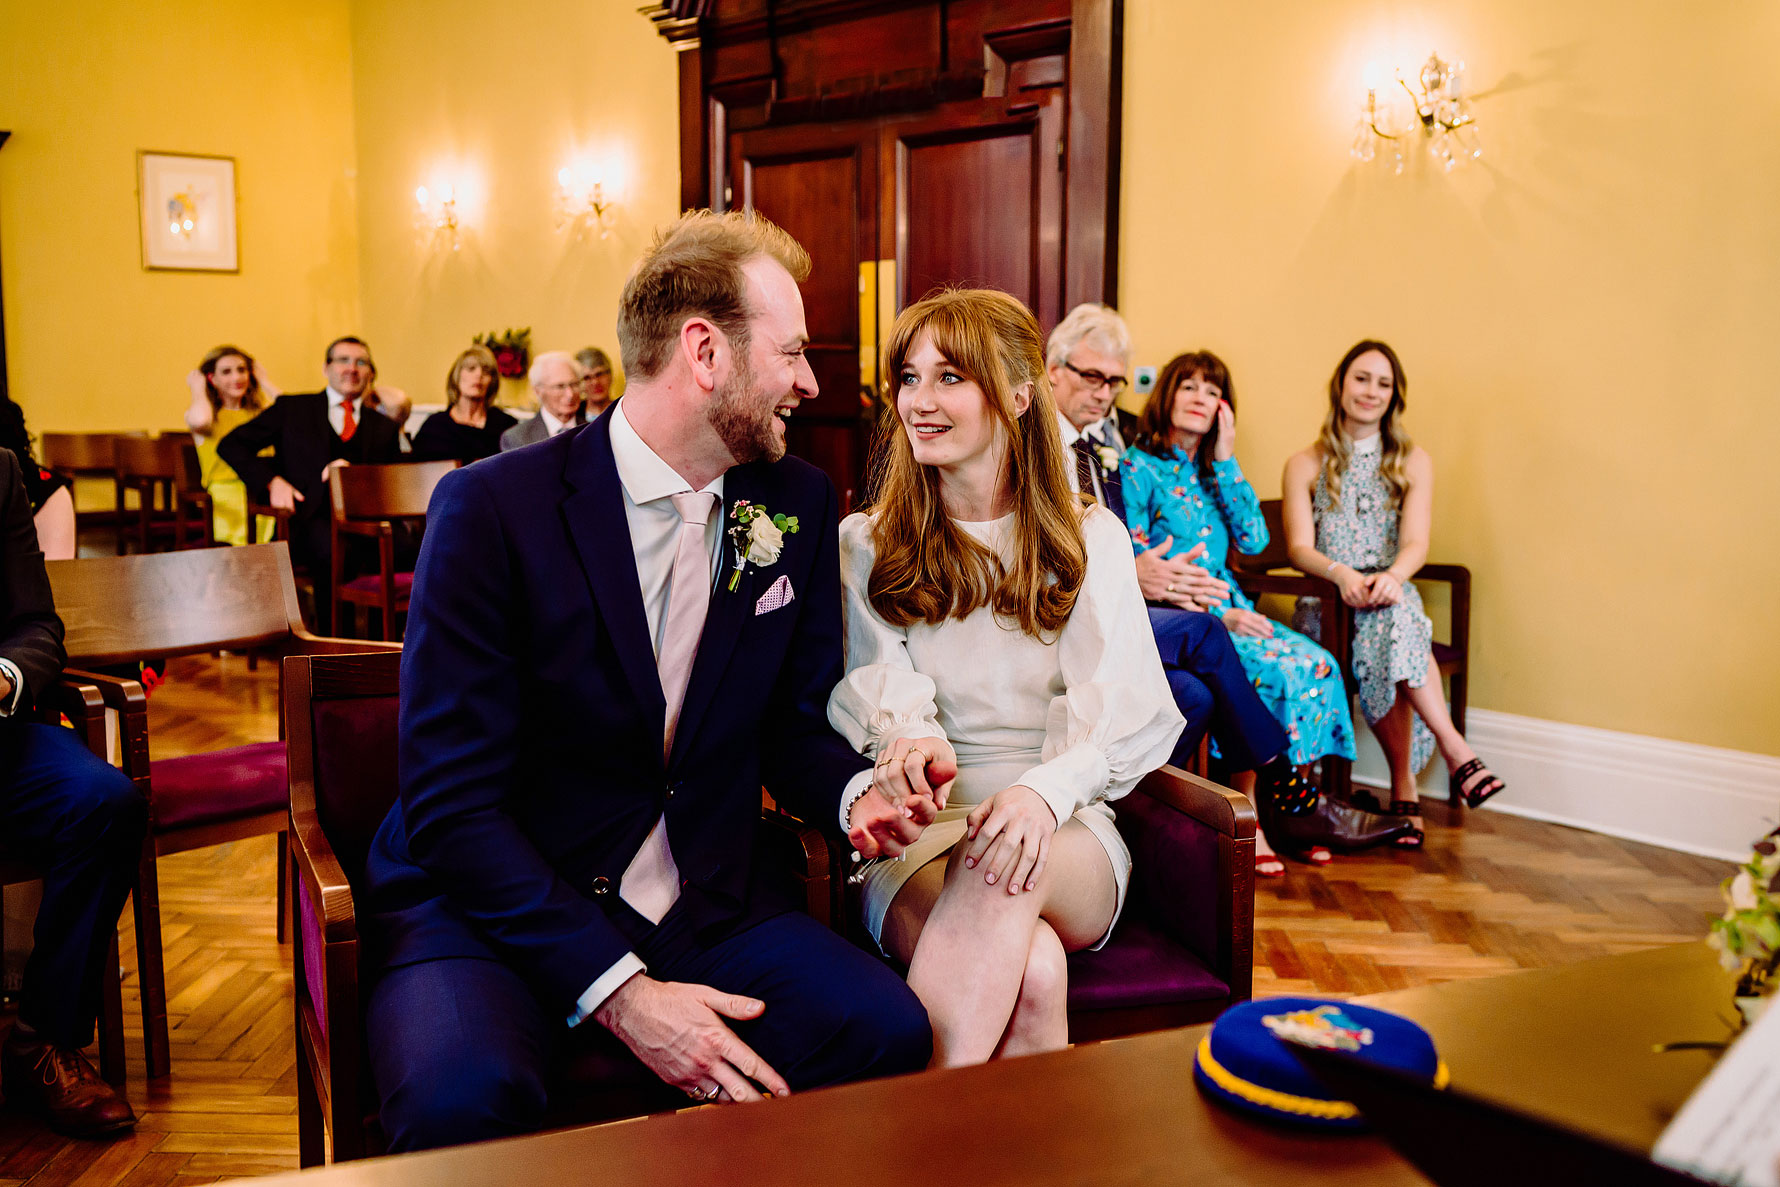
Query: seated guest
x=1359, y=504
x=572, y=840
x=228, y=390
x=51, y=496
x=1088, y=356
x=1183, y=489
x=994, y=628
x=77, y=819
x=556, y=380
x=596, y=389
x=470, y=427
x=308, y=435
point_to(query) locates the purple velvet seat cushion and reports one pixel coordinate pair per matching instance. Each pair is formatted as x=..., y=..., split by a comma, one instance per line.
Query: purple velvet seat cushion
x=373, y=583
x=219, y=785
x=1174, y=873
x=1139, y=967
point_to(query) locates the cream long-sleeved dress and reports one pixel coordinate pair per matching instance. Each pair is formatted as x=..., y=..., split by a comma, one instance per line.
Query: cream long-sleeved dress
x=1079, y=718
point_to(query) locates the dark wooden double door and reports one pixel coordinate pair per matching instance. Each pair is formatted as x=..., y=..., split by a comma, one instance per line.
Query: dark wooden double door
x=891, y=208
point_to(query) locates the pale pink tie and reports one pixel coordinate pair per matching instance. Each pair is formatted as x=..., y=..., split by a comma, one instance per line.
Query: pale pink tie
x=652, y=881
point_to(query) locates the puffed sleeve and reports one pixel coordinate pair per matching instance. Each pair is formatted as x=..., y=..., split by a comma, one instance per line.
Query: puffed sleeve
x=882, y=697
x=1138, y=486
x=1240, y=506
x=1116, y=720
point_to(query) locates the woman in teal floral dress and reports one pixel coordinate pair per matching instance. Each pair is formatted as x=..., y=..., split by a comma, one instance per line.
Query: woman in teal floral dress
x=1183, y=487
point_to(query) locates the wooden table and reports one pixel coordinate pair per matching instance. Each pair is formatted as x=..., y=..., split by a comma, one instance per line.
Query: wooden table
x=1572, y=1043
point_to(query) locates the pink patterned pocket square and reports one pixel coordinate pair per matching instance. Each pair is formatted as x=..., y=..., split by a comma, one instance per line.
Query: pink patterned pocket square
x=778, y=595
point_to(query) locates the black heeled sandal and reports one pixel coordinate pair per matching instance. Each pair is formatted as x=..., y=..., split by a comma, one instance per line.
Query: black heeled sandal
x=1415, y=837
x=1483, y=790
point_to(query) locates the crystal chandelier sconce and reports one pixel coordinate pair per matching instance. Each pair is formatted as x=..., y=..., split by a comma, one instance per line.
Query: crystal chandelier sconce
x=1442, y=116
x=435, y=214
x=581, y=201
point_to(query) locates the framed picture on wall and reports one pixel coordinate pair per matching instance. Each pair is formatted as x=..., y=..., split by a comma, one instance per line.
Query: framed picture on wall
x=188, y=212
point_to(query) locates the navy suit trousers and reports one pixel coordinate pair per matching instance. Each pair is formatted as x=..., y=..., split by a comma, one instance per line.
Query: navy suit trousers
x=1205, y=672
x=462, y=1050
x=81, y=822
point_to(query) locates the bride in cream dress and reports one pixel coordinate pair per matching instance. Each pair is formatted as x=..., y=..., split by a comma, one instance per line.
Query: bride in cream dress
x=1001, y=668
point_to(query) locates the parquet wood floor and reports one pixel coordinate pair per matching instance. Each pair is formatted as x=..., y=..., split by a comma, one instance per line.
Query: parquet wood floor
x=1492, y=896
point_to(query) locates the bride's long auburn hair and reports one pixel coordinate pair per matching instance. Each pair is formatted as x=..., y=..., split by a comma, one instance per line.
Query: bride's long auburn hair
x=927, y=568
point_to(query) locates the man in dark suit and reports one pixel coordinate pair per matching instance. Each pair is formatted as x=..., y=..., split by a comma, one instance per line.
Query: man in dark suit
x=78, y=820
x=309, y=434
x=557, y=380
x=595, y=687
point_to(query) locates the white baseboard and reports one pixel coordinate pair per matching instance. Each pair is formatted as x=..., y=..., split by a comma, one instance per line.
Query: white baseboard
x=1697, y=799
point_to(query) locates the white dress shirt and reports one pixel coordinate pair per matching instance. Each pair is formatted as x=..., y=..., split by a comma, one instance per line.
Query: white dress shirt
x=649, y=485
x=337, y=411
x=1096, y=434
x=554, y=426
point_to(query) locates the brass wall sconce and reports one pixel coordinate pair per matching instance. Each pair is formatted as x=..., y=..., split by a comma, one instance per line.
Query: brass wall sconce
x=435, y=215
x=1441, y=114
x=581, y=200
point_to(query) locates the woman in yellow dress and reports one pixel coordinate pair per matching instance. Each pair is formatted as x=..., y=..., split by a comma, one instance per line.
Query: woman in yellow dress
x=228, y=389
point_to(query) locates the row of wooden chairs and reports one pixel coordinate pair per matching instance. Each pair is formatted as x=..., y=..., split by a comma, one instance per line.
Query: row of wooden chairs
x=172, y=507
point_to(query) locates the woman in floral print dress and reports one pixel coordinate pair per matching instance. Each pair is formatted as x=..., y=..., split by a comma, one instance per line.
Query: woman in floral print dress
x=1182, y=483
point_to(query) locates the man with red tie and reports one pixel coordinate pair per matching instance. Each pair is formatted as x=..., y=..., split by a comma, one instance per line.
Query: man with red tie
x=308, y=435
x=617, y=636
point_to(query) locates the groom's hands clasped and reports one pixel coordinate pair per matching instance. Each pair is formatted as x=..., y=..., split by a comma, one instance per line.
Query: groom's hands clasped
x=910, y=782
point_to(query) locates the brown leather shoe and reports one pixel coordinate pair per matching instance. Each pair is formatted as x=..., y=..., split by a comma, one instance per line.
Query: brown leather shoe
x=1342, y=827
x=62, y=1088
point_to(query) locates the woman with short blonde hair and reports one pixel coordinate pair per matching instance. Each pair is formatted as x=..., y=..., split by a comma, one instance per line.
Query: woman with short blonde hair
x=470, y=428
x=1000, y=665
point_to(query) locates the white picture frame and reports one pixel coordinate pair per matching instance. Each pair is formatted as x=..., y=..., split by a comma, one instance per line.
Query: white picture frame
x=187, y=212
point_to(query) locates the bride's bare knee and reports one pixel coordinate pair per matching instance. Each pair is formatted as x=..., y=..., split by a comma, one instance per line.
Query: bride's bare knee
x=1044, y=987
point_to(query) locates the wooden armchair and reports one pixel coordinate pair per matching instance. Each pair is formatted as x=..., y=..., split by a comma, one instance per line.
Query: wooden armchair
x=119, y=610
x=1183, y=950
x=168, y=464
x=84, y=707
x=369, y=502
x=1262, y=574
x=340, y=715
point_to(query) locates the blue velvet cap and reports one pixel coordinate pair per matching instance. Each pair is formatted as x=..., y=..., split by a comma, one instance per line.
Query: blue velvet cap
x=1246, y=1065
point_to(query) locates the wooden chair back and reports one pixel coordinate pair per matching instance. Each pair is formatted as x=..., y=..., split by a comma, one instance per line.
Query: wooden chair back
x=1274, y=555
x=81, y=455
x=118, y=609
x=171, y=459
x=399, y=491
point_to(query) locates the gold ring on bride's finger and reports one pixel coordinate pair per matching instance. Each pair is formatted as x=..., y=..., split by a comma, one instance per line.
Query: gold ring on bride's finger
x=925, y=757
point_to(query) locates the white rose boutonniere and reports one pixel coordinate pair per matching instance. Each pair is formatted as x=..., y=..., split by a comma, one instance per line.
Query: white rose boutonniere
x=757, y=537
x=1109, y=457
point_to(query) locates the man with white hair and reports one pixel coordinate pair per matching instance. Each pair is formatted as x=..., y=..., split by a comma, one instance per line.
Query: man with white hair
x=556, y=380
x=1089, y=358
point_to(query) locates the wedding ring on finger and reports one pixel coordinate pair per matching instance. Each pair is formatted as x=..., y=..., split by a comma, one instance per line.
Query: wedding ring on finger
x=703, y=1095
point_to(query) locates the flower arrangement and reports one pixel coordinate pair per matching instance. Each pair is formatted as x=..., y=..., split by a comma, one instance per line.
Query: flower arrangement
x=512, y=351
x=1748, y=936
x=757, y=535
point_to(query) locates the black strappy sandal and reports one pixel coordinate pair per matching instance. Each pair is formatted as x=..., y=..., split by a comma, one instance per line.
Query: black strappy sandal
x=1484, y=789
x=1415, y=837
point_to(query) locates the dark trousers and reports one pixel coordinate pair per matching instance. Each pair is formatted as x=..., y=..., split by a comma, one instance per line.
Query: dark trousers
x=462, y=1050
x=1196, y=650
x=80, y=822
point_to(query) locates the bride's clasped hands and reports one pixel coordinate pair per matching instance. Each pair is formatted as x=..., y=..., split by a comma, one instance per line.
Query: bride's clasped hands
x=911, y=781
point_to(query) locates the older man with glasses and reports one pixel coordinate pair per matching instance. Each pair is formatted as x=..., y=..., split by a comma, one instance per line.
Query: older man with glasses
x=558, y=383
x=1089, y=361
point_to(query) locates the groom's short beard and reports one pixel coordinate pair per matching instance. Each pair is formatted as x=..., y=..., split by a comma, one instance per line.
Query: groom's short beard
x=741, y=422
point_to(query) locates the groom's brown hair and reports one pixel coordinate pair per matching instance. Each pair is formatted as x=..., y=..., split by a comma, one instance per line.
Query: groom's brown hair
x=694, y=269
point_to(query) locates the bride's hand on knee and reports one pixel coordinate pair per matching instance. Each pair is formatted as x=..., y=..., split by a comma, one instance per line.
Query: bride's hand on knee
x=1010, y=838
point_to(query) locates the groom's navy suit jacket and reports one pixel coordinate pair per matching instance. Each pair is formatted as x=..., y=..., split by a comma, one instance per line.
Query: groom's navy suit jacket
x=532, y=718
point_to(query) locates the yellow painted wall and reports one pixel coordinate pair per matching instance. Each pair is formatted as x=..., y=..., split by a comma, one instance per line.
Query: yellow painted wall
x=494, y=104
x=96, y=342
x=1589, y=316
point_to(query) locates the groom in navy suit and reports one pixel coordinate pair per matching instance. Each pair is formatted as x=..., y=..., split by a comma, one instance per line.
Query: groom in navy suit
x=603, y=666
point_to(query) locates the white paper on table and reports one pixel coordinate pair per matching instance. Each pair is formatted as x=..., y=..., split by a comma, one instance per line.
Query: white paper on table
x=1729, y=1129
